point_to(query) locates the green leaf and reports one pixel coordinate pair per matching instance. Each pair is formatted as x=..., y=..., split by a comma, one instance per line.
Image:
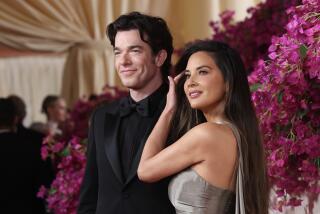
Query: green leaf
x=317, y=162
x=302, y=113
x=280, y=97
x=303, y=51
x=84, y=141
x=292, y=136
x=255, y=87
x=65, y=152
x=52, y=191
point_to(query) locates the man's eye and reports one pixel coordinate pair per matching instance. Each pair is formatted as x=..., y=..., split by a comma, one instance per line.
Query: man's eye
x=116, y=53
x=136, y=50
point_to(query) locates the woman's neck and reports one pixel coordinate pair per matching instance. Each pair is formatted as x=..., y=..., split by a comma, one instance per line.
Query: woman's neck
x=215, y=114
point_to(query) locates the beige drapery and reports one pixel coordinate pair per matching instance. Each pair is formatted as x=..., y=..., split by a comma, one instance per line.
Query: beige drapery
x=74, y=26
x=78, y=28
x=32, y=78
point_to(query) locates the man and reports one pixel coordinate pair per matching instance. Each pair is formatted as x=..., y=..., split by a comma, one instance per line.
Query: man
x=142, y=47
x=21, y=112
x=21, y=166
x=44, y=168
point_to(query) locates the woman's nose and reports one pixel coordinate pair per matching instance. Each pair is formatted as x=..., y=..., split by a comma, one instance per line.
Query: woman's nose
x=191, y=81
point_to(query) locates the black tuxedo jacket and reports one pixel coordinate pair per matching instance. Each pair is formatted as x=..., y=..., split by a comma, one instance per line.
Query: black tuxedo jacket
x=103, y=190
x=22, y=173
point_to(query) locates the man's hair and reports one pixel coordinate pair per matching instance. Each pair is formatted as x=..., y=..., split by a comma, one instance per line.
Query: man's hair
x=48, y=102
x=153, y=30
x=19, y=106
x=7, y=112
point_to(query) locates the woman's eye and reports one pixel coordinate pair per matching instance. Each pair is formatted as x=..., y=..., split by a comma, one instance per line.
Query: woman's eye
x=187, y=75
x=203, y=72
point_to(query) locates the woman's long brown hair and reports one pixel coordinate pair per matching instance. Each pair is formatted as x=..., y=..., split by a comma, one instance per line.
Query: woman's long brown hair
x=238, y=110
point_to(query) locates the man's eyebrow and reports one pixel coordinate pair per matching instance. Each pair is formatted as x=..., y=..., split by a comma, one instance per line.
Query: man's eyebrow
x=135, y=46
x=130, y=47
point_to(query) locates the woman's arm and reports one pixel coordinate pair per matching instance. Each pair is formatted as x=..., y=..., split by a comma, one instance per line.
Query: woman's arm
x=157, y=138
x=157, y=162
x=192, y=148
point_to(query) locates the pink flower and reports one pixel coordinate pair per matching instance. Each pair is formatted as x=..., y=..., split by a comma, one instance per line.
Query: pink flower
x=42, y=192
x=272, y=55
x=44, y=153
x=288, y=105
x=57, y=147
x=252, y=36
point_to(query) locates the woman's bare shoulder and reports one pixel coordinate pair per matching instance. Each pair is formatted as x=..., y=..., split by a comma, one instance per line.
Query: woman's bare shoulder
x=213, y=134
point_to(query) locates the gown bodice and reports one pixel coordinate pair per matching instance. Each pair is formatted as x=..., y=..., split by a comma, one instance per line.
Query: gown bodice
x=190, y=193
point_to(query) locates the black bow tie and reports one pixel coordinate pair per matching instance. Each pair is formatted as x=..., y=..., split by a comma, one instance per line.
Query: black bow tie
x=127, y=105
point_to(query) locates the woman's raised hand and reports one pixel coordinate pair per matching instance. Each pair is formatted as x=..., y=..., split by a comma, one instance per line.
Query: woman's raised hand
x=171, y=96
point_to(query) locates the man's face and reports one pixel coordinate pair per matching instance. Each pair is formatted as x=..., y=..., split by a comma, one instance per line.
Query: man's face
x=134, y=61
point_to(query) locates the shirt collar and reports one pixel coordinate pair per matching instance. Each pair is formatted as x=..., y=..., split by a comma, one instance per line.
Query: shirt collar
x=156, y=97
x=149, y=104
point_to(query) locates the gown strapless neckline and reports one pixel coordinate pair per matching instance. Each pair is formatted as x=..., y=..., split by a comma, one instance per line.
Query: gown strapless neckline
x=209, y=184
x=191, y=193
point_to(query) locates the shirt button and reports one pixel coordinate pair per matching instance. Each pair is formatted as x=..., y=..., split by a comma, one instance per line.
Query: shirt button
x=125, y=195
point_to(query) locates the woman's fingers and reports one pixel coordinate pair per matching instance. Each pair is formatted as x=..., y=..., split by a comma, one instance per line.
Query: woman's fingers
x=171, y=96
x=171, y=85
x=178, y=77
x=171, y=82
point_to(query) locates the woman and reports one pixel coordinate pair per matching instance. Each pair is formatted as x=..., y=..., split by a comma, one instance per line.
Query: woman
x=217, y=157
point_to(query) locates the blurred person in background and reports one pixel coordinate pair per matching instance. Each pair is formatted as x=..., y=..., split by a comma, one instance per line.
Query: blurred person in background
x=20, y=113
x=21, y=166
x=54, y=107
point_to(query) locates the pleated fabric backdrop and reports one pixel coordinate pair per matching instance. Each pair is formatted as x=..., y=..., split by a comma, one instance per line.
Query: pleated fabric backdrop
x=76, y=28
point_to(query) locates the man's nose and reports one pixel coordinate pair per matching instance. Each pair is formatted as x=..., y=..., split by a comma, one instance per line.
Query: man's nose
x=124, y=59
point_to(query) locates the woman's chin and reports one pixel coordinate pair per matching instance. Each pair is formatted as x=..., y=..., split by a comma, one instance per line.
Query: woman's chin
x=195, y=107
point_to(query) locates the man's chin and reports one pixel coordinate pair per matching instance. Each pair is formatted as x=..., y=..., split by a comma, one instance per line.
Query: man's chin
x=130, y=85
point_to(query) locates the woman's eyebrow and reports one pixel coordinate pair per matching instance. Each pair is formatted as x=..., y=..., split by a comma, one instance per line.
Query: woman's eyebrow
x=203, y=66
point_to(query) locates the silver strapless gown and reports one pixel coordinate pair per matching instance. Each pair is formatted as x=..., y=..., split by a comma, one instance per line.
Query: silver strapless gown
x=190, y=193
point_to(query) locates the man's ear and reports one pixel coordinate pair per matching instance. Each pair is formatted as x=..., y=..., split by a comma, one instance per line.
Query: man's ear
x=160, y=58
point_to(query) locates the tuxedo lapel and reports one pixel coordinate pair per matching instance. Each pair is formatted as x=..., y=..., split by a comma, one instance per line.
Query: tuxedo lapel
x=111, y=127
x=136, y=160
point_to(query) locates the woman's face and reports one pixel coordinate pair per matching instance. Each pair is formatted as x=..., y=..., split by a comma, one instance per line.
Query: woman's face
x=204, y=87
x=58, y=111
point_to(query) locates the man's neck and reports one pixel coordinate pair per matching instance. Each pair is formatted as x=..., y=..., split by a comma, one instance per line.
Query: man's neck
x=140, y=94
